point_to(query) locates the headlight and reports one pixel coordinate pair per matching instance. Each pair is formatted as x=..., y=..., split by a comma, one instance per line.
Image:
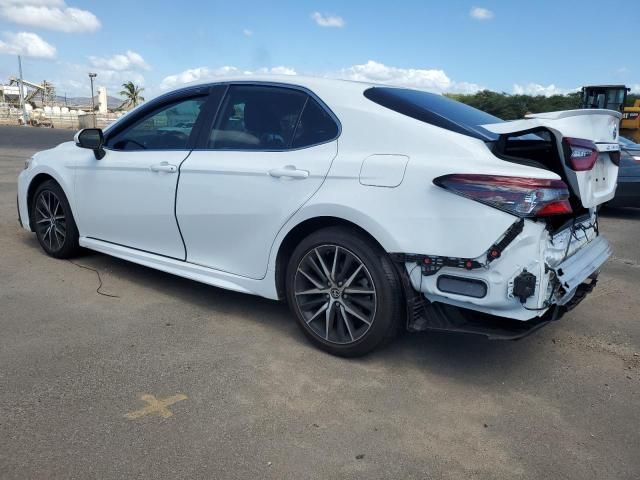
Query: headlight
x=27, y=163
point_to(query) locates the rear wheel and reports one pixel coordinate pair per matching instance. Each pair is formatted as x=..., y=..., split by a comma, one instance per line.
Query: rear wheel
x=53, y=222
x=344, y=292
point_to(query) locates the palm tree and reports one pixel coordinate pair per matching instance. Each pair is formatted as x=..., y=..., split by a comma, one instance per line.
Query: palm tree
x=132, y=95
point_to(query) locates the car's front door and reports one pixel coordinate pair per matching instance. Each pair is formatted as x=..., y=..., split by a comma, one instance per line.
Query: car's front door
x=268, y=152
x=128, y=197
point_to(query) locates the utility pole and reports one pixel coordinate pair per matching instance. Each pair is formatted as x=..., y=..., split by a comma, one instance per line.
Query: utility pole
x=93, y=107
x=21, y=92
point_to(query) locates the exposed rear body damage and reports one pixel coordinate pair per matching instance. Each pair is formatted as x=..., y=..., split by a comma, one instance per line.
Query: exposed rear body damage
x=540, y=267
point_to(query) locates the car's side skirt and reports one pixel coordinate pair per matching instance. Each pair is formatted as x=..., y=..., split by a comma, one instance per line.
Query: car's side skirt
x=264, y=287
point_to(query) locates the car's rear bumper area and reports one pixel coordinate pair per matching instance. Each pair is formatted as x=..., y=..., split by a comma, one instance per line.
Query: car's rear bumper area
x=423, y=315
x=535, y=280
x=575, y=270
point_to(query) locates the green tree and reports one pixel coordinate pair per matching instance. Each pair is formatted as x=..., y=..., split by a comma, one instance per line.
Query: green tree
x=131, y=94
x=511, y=107
x=631, y=98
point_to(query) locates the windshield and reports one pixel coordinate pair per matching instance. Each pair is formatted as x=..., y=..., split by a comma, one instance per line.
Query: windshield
x=435, y=109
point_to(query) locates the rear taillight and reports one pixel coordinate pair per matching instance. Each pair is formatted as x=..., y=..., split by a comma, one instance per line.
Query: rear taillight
x=580, y=154
x=520, y=196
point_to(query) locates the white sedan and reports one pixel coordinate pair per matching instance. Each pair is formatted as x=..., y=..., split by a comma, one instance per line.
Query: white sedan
x=369, y=208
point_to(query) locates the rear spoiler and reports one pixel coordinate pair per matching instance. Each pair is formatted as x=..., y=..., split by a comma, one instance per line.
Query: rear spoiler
x=597, y=125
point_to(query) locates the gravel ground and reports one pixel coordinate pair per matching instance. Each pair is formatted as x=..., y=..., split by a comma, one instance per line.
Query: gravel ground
x=249, y=398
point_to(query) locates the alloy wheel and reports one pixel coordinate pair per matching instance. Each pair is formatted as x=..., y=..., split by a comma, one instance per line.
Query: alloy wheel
x=335, y=294
x=50, y=219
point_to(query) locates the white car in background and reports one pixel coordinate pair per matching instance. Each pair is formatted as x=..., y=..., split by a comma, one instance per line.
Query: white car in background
x=369, y=208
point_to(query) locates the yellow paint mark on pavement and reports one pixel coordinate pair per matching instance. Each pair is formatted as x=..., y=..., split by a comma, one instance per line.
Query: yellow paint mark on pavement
x=156, y=406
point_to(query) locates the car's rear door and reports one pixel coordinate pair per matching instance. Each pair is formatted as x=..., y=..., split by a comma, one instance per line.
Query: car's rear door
x=267, y=153
x=128, y=197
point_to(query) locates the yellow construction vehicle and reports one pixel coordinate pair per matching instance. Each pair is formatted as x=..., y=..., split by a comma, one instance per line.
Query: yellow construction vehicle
x=614, y=97
x=611, y=97
x=630, y=124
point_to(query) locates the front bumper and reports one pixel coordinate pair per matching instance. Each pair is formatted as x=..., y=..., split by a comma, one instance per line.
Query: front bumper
x=23, y=210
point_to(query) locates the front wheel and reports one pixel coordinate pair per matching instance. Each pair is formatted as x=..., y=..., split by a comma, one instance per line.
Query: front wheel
x=53, y=222
x=344, y=292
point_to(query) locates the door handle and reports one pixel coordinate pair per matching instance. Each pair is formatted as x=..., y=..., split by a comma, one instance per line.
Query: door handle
x=288, y=171
x=164, y=167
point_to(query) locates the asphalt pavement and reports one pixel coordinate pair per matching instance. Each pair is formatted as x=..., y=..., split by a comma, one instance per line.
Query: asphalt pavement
x=169, y=378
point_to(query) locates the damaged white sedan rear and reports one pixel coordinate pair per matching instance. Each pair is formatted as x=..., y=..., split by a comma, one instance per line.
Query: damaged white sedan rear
x=368, y=208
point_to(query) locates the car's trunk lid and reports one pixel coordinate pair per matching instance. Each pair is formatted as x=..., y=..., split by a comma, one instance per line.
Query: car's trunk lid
x=597, y=184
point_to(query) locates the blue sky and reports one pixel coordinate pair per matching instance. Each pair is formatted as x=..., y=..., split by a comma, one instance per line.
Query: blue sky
x=513, y=46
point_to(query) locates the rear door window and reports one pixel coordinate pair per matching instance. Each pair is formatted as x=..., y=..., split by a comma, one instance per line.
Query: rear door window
x=257, y=117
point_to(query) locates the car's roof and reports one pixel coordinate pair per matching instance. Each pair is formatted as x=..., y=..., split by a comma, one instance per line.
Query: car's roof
x=296, y=80
x=333, y=92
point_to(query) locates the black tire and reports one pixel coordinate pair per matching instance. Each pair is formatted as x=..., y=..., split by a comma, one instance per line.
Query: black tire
x=52, y=220
x=350, y=335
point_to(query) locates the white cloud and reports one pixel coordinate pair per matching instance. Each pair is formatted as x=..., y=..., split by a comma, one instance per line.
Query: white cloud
x=203, y=74
x=48, y=3
x=635, y=88
x=122, y=61
x=278, y=71
x=537, y=89
x=75, y=81
x=247, y=33
x=49, y=14
x=113, y=79
x=196, y=75
x=27, y=44
x=328, y=20
x=433, y=80
x=465, y=87
x=479, y=13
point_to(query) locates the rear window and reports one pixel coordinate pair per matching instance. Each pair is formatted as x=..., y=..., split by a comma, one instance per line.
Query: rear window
x=436, y=110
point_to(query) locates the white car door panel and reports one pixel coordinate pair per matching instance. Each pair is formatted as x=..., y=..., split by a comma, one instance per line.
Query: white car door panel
x=128, y=196
x=231, y=204
x=128, y=199
x=267, y=152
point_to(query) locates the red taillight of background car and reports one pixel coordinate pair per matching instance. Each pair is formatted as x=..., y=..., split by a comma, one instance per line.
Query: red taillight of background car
x=580, y=154
x=520, y=196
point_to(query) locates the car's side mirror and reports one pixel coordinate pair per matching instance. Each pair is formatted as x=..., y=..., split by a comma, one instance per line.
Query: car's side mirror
x=93, y=139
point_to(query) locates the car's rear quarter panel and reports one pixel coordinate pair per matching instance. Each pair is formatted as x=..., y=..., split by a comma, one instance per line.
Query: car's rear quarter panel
x=416, y=216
